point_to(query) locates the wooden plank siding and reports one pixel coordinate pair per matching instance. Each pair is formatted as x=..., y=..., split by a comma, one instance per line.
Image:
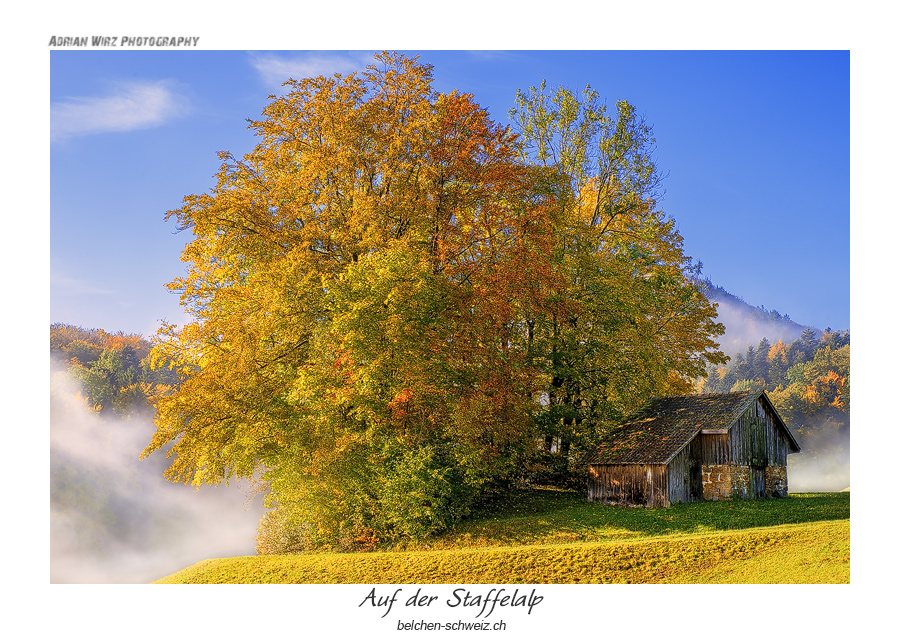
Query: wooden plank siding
x=678, y=477
x=758, y=482
x=777, y=447
x=716, y=448
x=630, y=485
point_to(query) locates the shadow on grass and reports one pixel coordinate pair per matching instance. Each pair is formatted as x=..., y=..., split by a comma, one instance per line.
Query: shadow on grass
x=548, y=516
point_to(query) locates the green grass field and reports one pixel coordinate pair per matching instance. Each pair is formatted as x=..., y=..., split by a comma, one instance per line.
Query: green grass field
x=550, y=536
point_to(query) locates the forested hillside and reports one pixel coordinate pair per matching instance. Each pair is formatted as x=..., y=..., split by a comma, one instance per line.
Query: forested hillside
x=808, y=380
x=112, y=370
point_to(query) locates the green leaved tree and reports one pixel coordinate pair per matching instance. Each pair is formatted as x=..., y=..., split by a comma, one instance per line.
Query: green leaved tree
x=625, y=321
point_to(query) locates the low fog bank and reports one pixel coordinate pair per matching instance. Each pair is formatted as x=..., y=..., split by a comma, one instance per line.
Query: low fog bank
x=828, y=471
x=823, y=463
x=115, y=519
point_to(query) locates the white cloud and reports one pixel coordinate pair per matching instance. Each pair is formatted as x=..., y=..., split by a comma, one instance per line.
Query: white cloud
x=277, y=69
x=131, y=106
x=63, y=285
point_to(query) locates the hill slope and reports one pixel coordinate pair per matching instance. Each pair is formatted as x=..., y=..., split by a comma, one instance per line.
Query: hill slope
x=806, y=553
x=558, y=537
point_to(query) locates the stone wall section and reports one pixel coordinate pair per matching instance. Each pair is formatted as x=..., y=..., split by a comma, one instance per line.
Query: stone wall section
x=776, y=481
x=716, y=482
x=740, y=481
x=723, y=482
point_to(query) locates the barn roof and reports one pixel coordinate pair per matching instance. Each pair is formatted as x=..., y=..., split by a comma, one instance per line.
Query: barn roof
x=664, y=425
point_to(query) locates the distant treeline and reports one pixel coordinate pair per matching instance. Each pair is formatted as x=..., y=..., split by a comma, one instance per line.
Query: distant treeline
x=808, y=381
x=112, y=370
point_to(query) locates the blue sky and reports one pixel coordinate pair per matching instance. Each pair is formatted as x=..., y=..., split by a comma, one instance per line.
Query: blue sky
x=756, y=146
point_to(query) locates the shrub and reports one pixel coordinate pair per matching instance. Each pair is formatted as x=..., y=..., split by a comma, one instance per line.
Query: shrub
x=419, y=493
x=279, y=533
x=401, y=490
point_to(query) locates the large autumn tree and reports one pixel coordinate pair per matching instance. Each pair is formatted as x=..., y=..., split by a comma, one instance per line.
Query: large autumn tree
x=393, y=299
x=355, y=283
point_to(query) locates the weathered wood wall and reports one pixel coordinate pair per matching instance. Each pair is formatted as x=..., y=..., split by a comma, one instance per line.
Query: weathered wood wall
x=776, y=440
x=678, y=477
x=758, y=482
x=716, y=448
x=757, y=440
x=628, y=484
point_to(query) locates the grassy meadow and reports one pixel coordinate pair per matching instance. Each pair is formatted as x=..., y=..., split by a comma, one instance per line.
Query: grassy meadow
x=554, y=536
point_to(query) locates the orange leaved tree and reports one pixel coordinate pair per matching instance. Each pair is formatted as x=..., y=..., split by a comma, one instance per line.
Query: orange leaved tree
x=356, y=284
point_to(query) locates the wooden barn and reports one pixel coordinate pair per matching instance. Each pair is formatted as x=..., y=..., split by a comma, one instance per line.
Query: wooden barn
x=691, y=448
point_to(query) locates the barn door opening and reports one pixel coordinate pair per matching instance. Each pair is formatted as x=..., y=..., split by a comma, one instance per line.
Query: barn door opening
x=695, y=482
